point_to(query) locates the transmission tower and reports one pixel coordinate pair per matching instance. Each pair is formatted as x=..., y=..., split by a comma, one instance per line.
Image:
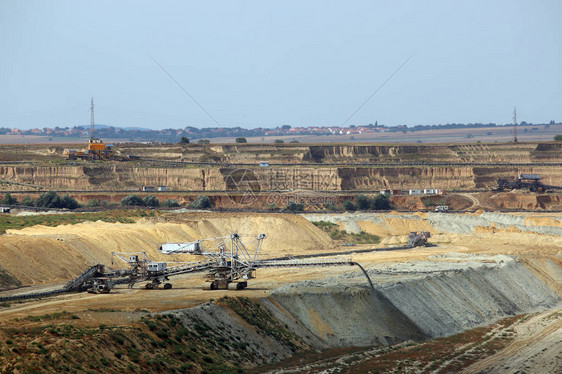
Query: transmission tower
x=515, y=125
x=92, y=126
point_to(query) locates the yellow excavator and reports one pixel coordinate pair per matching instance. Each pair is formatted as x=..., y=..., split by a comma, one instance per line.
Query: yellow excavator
x=97, y=150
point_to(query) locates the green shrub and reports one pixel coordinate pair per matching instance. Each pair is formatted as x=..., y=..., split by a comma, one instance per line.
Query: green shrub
x=272, y=206
x=48, y=200
x=51, y=199
x=69, y=202
x=93, y=202
x=27, y=201
x=381, y=202
x=151, y=200
x=294, y=207
x=202, y=202
x=330, y=206
x=362, y=202
x=348, y=205
x=558, y=138
x=8, y=199
x=132, y=200
x=170, y=203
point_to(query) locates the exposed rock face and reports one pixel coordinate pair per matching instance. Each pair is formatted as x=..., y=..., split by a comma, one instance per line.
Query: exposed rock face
x=344, y=316
x=112, y=175
x=108, y=176
x=407, y=178
x=501, y=152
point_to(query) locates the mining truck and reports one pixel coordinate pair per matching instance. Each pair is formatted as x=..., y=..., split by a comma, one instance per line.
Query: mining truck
x=523, y=181
x=418, y=239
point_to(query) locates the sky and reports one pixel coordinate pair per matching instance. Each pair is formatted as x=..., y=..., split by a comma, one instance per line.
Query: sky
x=267, y=64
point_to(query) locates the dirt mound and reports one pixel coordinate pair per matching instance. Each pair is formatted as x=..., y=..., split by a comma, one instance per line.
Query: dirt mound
x=42, y=254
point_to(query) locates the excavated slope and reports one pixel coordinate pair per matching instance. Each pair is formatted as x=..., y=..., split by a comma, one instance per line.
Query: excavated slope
x=42, y=254
x=410, y=301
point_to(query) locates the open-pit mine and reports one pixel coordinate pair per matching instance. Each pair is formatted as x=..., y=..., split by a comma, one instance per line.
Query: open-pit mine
x=475, y=288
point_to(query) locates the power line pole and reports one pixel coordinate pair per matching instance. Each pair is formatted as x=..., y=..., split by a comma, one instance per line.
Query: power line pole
x=515, y=125
x=92, y=126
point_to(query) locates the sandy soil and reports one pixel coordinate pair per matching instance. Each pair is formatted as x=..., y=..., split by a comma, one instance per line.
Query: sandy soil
x=536, y=349
x=46, y=256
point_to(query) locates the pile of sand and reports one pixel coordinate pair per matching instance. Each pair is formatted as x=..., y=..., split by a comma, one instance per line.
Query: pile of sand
x=41, y=254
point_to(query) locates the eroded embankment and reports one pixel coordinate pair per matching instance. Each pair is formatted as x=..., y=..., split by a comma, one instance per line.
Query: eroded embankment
x=410, y=301
x=41, y=254
x=396, y=225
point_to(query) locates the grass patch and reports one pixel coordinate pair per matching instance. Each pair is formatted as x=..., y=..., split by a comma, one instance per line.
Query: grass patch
x=336, y=234
x=110, y=216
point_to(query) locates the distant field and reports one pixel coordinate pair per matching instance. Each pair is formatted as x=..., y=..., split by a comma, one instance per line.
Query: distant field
x=34, y=139
x=471, y=135
x=484, y=135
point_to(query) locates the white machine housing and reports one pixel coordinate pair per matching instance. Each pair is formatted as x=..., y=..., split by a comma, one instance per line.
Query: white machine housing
x=171, y=248
x=155, y=266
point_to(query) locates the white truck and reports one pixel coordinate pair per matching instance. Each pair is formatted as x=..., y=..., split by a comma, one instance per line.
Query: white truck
x=441, y=208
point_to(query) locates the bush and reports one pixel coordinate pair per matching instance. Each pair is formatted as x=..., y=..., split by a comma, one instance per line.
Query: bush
x=151, y=200
x=294, y=207
x=48, y=200
x=184, y=140
x=93, y=202
x=52, y=200
x=203, y=141
x=241, y=140
x=348, y=205
x=170, y=203
x=8, y=199
x=68, y=202
x=330, y=206
x=279, y=141
x=132, y=200
x=202, y=202
x=27, y=201
x=362, y=202
x=381, y=202
x=558, y=137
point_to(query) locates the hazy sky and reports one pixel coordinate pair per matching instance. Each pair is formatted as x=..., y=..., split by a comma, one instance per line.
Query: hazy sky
x=264, y=63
